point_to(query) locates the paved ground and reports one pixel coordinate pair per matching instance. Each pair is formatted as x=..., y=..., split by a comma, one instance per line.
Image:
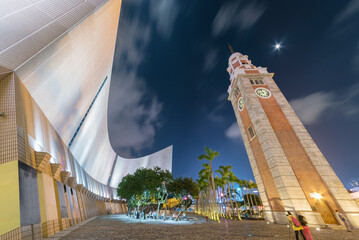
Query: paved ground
x=122, y=227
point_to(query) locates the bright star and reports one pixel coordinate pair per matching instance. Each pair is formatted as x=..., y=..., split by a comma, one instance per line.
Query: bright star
x=277, y=46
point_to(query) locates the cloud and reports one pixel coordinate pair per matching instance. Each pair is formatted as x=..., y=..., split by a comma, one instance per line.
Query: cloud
x=350, y=10
x=134, y=111
x=164, y=14
x=237, y=14
x=313, y=108
x=216, y=114
x=210, y=60
x=233, y=132
x=310, y=108
x=134, y=115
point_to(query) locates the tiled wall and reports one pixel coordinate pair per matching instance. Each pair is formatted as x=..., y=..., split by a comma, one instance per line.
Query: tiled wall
x=8, y=134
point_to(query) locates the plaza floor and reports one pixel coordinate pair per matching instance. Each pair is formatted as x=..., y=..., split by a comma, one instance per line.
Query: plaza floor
x=122, y=227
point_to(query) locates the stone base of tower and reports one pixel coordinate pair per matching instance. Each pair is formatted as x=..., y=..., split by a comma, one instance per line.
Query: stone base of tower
x=314, y=219
x=276, y=217
x=353, y=219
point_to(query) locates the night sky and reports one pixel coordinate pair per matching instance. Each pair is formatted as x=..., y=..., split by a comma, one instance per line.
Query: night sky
x=169, y=81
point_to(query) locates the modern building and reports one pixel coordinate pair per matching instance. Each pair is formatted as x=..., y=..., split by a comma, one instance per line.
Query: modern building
x=57, y=166
x=291, y=172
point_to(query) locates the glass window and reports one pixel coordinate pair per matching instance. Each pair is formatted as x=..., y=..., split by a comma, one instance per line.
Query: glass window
x=251, y=133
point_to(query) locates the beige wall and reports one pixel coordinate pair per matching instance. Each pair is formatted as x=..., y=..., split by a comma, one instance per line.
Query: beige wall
x=48, y=207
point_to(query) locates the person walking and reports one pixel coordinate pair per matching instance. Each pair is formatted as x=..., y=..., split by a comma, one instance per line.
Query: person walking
x=306, y=229
x=344, y=220
x=297, y=227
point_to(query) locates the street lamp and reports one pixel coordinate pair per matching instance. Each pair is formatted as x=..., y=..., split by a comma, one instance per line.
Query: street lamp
x=316, y=195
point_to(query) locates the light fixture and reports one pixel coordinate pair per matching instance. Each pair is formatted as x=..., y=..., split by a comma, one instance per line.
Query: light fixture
x=315, y=195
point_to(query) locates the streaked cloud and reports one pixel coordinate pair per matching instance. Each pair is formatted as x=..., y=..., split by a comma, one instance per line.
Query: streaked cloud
x=133, y=118
x=314, y=107
x=310, y=108
x=210, y=60
x=233, y=132
x=350, y=10
x=216, y=115
x=237, y=14
x=164, y=14
x=134, y=111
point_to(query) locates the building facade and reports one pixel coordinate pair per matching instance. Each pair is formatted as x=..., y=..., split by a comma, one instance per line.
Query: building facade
x=291, y=172
x=57, y=166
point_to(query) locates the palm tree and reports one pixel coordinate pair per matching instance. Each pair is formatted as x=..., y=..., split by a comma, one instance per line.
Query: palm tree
x=204, y=179
x=224, y=171
x=206, y=174
x=220, y=183
x=210, y=155
x=253, y=185
x=232, y=178
x=202, y=184
x=249, y=195
x=242, y=183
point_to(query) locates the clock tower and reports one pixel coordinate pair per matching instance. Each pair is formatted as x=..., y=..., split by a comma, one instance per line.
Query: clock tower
x=291, y=172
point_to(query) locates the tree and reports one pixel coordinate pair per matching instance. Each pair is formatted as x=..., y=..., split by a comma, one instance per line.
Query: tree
x=232, y=178
x=220, y=184
x=205, y=174
x=210, y=155
x=255, y=196
x=224, y=171
x=140, y=188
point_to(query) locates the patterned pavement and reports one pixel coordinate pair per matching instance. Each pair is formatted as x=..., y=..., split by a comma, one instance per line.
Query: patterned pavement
x=122, y=227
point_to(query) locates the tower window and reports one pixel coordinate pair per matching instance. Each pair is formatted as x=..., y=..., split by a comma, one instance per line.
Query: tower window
x=251, y=132
x=256, y=81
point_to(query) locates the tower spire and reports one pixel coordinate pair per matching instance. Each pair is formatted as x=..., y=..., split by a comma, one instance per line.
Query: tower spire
x=230, y=48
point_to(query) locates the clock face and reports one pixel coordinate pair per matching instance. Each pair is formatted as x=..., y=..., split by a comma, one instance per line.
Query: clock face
x=263, y=92
x=240, y=104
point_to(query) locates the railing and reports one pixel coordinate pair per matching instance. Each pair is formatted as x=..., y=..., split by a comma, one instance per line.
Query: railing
x=46, y=229
x=32, y=231
x=40, y=230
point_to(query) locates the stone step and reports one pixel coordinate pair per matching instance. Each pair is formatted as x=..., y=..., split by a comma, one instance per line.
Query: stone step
x=336, y=226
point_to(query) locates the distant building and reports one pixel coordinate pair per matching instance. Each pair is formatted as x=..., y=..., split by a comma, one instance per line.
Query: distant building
x=290, y=171
x=57, y=166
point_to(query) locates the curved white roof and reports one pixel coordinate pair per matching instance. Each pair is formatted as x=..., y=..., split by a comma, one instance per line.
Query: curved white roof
x=62, y=52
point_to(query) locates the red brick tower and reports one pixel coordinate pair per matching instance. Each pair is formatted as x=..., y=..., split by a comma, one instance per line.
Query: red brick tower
x=291, y=172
